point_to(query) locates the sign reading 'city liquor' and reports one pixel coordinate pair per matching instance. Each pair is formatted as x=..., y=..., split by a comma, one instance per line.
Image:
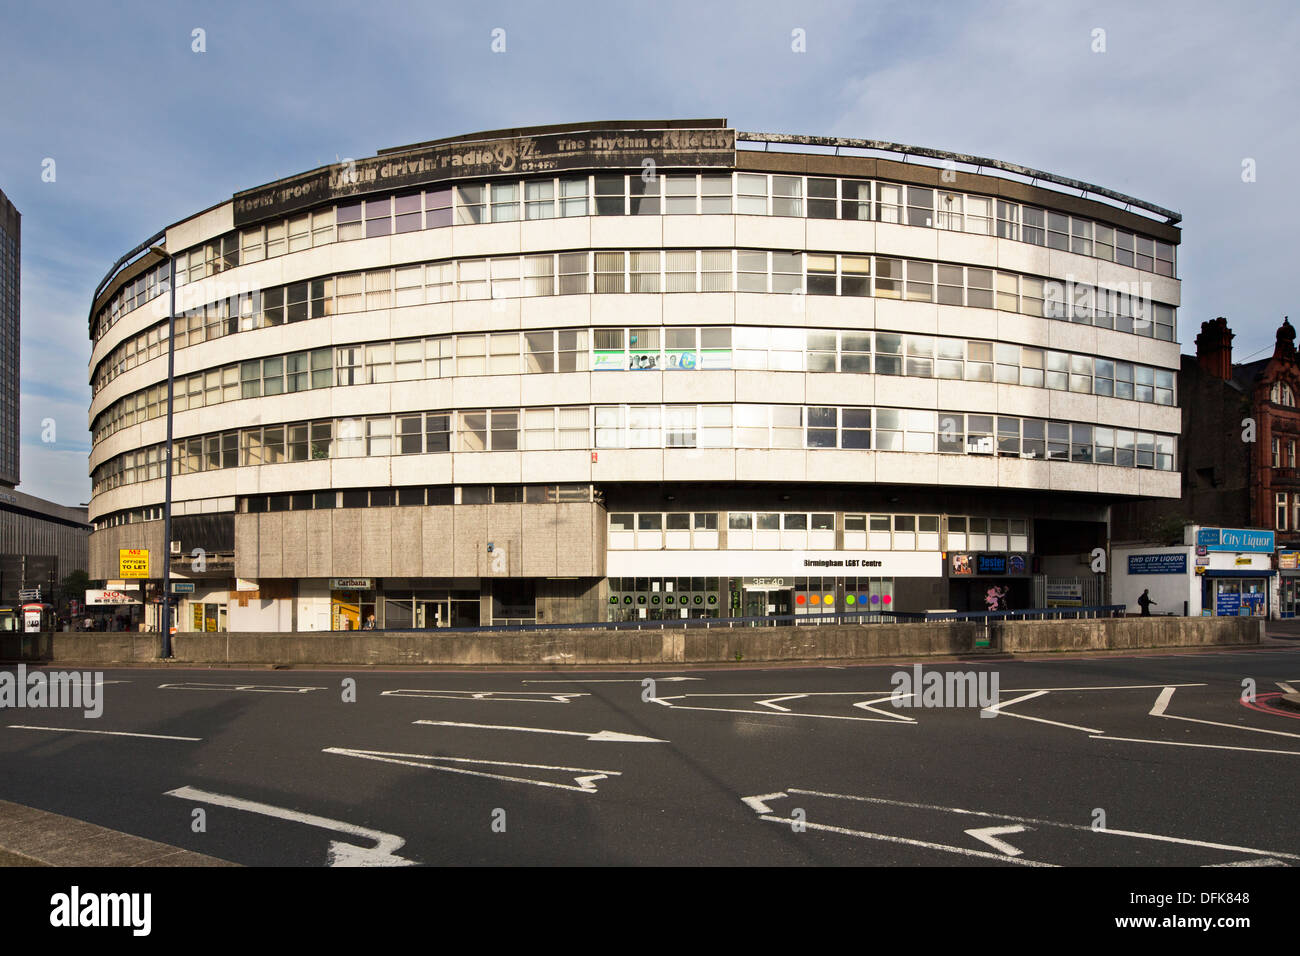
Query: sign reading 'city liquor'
x=1235, y=539
x=525, y=155
x=1157, y=564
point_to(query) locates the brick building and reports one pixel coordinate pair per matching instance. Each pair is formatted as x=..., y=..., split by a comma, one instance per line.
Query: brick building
x=1241, y=439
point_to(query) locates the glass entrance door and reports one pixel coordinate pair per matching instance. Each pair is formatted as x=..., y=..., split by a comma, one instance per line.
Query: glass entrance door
x=1289, y=593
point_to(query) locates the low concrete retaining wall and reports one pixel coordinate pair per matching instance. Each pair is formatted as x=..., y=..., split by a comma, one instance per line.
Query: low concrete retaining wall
x=1123, y=632
x=696, y=646
x=81, y=646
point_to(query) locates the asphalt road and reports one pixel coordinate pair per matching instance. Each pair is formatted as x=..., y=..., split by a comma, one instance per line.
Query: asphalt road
x=1118, y=761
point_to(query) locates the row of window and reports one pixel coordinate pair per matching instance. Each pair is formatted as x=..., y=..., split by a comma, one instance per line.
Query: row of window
x=671, y=194
x=1282, y=501
x=758, y=194
x=651, y=348
x=613, y=272
x=648, y=426
x=771, y=530
x=367, y=498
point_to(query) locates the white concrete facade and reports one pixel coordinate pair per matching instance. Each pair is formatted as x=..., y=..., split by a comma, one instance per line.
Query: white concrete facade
x=635, y=428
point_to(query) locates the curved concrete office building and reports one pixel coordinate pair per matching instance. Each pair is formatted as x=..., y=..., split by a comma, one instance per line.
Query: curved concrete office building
x=619, y=370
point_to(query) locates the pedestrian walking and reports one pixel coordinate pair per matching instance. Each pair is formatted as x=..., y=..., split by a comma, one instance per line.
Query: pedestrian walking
x=1145, y=603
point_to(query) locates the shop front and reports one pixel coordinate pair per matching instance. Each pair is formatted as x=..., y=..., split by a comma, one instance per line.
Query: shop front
x=1288, y=572
x=990, y=580
x=1216, y=572
x=651, y=585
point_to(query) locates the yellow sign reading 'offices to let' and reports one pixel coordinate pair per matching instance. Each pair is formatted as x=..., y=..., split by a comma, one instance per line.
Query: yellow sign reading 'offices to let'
x=133, y=562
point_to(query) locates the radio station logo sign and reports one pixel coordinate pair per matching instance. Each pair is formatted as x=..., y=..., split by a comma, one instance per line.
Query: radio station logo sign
x=523, y=155
x=1235, y=539
x=133, y=563
x=1157, y=564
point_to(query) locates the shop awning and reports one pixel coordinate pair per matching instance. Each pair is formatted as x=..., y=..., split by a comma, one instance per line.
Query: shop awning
x=1221, y=573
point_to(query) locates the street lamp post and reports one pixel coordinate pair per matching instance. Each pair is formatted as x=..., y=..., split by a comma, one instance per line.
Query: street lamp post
x=167, y=460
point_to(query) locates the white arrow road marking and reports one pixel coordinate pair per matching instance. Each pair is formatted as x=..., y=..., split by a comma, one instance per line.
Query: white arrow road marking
x=255, y=688
x=383, y=853
x=758, y=804
x=608, y=736
x=1167, y=695
x=108, y=733
x=621, y=680
x=772, y=702
x=423, y=762
x=989, y=835
x=867, y=705
x=997, y=709
x=925, y=844
x=518, y=696
x=1046, y=823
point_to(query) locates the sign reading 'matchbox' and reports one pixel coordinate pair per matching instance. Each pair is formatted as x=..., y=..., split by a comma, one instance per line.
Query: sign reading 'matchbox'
x=525, y=155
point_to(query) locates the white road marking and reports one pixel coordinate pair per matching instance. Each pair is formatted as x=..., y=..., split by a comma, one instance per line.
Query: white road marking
x=608, y=736
x=989, y=835
x=1166, y=696
x=998, y=709
x=905, y=722
x=621, y=680
x=981, y=854
x=867, y=693
x=383, y=853
x=424, y=762
x=109, y=733
x=254, y=688
x=772, y=702
x=1262, y=861
x=517, y=696
x=757, y=803
x=1047, y=823
x=1182, y=743
x=867, y=705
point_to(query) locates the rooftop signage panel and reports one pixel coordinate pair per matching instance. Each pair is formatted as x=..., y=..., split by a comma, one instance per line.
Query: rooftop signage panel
x=613, y=149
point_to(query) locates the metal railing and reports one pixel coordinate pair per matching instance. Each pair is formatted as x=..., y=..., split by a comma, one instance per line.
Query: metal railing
x=808, y=619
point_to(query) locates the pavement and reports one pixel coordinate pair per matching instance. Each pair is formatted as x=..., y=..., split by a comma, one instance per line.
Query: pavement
x=1149, y=759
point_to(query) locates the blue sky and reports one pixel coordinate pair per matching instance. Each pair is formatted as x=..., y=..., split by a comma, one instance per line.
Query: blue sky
x=144, y=131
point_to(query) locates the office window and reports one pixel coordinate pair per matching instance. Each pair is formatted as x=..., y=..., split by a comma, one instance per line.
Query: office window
x=573, y=272
x=821, y=274
x=920, y=206
x=437, y=432
x=573, y=196
x=644, y=195
x=437, y=208
x=505, y=202
x=979, y=215
x=822, y=196
x=715, y=193
x=751, y=194
x=611, y=195
x=471, y=204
